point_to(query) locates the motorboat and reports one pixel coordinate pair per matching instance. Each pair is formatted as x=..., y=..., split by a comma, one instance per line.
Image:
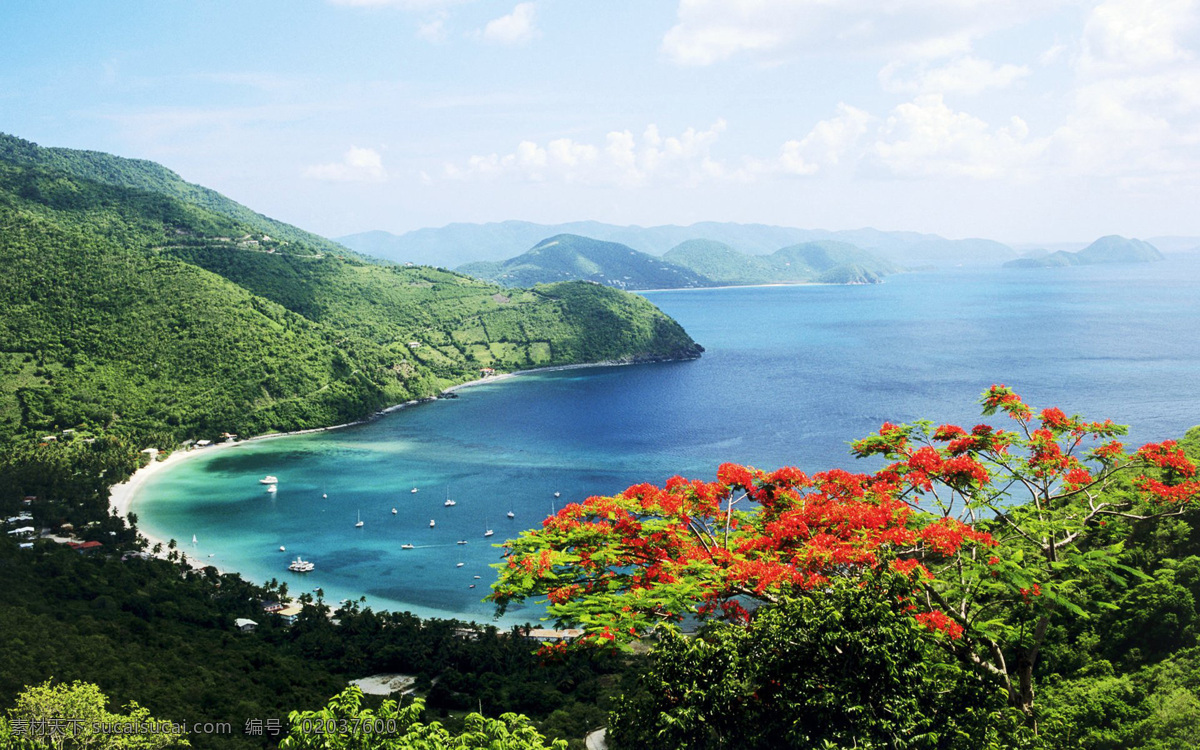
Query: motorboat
x=432, y=523
x=459, y=565
x=272, y=488
x=510, y=514
x=394, y=511
x=407, y=546
x=268, y=479
x=301, y=566
x=461, y=541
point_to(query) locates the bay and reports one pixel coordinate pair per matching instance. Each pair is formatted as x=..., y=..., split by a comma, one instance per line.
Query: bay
x=791, y=374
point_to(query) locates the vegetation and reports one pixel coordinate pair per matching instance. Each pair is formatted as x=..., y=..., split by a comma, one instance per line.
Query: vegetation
x=990, y=574
x=568, y=256
x=694, y=263
x=825, y=261
x=137, y=313
x=1110, y=249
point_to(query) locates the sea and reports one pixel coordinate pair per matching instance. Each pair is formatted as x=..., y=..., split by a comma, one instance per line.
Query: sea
x=790, y=375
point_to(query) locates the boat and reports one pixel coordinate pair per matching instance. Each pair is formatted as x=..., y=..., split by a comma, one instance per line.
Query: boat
x=193, y=538
x=431, y=523
x=272, y=488
x=360, y=523
x=407, y=546
x=488, y=532
x=558, y=494
x=394, y=511
x=282, y=548
x=458, y=565
x=476, y=578
x=471, y=586
x=413, y=490
x=461, y=541
x=510, y=514
x=301, y=566
x=449, y=502
x=324, y=496
x=268, y=479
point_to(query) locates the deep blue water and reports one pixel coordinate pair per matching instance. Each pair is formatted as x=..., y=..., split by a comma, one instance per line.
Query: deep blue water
x=791, y=374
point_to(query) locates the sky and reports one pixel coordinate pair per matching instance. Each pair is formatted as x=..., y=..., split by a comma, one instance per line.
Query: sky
x=1018, y=120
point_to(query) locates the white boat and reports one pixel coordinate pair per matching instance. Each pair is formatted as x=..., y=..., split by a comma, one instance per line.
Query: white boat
x=449, y=502
x=407, y=546
x=476, y=578
x=282, y=548
x=431, y=523
x=458, y=565
x=193, y=538
x=394, y=511
x=489, y=532
x=413, y=490
x=558, y=494
x=360, y=523
x=461, y=541
x=272, y=488
x=324, y=496
x=301, y=566
x=510, y=514
x=268, y=479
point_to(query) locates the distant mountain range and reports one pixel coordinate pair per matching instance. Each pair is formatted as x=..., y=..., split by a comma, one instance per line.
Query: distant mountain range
x=692, y=263
x=1110, y=249
x=458, y=244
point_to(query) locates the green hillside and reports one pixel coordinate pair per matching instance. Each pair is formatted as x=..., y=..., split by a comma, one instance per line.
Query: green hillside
x=1110, y=249
x=136, y=312
x=108, y=169
x=823, y=261
x=568, y=256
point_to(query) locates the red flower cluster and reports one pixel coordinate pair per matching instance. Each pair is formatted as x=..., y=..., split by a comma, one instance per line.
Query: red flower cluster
x=946, y=535
x=940, y=622
x=1168, y=456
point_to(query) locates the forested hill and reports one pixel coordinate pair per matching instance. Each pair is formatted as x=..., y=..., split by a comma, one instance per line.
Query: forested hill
x=572, y=257
x=823, y=261
x=136, y=311
x=145, y=175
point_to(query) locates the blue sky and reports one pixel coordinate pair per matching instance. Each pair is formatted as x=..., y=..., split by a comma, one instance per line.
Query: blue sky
x=1021, y=120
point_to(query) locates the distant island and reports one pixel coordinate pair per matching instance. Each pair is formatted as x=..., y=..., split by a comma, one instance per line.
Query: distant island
x=1110, y=249
x=689, y=265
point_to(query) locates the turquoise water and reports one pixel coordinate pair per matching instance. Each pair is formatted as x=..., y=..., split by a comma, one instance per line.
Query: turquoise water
x=791, y=374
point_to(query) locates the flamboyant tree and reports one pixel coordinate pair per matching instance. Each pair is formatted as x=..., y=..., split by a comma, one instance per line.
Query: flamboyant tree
x=995, y=528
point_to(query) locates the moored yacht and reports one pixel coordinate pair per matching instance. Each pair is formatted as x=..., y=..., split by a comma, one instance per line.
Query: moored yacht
x=268, y=479
x=301, y=566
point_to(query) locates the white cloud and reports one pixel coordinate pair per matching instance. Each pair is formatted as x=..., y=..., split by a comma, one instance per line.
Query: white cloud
x=708, y=31
x=963, y=75
x=357, y=165
x=434, y=29
x=925, y=138
x=829, y=142
x=515, y=28
x=1135, y=111
x=622, y=159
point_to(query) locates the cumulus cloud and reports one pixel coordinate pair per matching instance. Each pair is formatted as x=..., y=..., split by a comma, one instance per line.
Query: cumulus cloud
x=828, y=143
x=515, y=28
x=357, y=165
x=926, y=138
x=963, y=75
x=1135, y=110
x=622, y=159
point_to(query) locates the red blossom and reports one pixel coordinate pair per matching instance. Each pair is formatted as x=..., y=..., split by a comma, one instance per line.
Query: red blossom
x=940, y=622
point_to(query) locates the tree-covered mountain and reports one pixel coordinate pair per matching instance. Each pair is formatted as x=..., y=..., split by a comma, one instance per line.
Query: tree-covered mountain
x=132, y=309
x=457, y=244
x=569, y=257
x=825, y=261
x=1110, y=249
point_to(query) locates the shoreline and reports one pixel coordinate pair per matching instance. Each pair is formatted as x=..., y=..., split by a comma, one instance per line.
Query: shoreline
x=123, y=496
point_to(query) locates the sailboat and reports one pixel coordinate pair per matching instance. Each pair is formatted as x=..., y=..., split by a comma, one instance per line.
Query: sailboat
x=431, y=523
x=510, y=513
x=193, y=540
x=449, y=502
x=414, y=489
x=487, y=532
x=360, y=523
x=394, y=511
x=557, y=494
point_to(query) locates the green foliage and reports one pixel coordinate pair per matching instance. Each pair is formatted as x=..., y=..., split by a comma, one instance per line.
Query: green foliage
x=395, y=727
x=76, y=716
x=846, y=668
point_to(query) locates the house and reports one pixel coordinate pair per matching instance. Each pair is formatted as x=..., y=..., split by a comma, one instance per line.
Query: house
x=290, y=613
x=25, y=545
x=85, y=548
x=271, y=607
x=23, y=531
x=245, y=625
x=414, y=345
x=29, y=500
x=203, y=443
x=543, y=635
x=151, y=452
x=487, y=372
